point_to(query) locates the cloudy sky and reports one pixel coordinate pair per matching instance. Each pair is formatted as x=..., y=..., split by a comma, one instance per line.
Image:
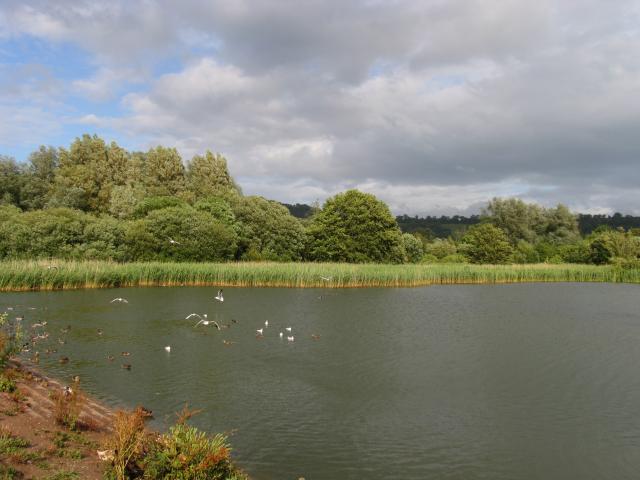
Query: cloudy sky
x=433, y=105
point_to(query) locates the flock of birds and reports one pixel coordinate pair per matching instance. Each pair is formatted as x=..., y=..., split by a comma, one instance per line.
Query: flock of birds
x=40, y=334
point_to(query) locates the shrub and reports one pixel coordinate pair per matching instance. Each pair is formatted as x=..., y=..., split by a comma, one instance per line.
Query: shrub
x=186, y=453
x=127, y=442
x=7, y=385
x=67, y=406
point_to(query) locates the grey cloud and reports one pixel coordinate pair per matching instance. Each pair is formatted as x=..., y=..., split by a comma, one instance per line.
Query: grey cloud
x=445, y=103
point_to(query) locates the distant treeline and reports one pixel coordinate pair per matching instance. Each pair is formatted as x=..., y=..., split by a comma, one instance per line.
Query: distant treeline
x=455, y=226
x=97, y=201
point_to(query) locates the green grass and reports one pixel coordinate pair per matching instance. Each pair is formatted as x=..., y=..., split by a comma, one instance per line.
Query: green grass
x=34, y=275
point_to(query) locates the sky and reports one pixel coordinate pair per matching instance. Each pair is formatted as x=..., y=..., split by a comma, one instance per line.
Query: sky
x=435, y=106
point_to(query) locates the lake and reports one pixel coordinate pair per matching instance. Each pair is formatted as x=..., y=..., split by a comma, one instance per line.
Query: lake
x=526, y=381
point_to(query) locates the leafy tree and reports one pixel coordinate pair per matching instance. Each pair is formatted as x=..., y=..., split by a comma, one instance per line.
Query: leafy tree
x=486, y=243
x=39, y=178
x=531, y=222
x=267, y=231
x=208, y=176
x=198, y=235
x=412, y=247
x=156, y=203
x=517, y=219
x=10, y=181
x=90, y=167
x=440, y=248
x=355, y=227
x=163, y=172
x=219, y=209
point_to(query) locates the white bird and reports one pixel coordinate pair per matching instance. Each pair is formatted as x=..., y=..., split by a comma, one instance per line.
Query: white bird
x=290, y=339
x=168, y=348
x=105, y=455
x=207, y=322
x=36, y=325
x=326, y=279
x=266, y=323
x=219, y=297
x=196, y=315
x=259, y=331
x=173, y=242
x=288, y=329
x=281, y=334
x=120, y=300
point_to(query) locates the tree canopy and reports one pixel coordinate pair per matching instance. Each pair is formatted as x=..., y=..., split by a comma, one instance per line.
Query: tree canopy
x=355, y=227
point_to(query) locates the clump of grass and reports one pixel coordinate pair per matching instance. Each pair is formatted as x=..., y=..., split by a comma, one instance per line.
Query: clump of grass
x=127, y=443
x=67, y=406
x=7, y=384
x=9, y=443
x=9, y=473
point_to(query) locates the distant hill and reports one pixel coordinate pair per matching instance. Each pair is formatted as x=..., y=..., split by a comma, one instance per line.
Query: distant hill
x=455, y=226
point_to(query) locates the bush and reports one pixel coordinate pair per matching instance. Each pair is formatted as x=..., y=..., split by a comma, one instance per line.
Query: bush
x=486, y=243
x=454, y=258
x=412, y=247
x=186, y=453
x=128, y=443
x=67, y=406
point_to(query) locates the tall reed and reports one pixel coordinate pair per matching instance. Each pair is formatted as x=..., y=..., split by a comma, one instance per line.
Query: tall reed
x=16, y=275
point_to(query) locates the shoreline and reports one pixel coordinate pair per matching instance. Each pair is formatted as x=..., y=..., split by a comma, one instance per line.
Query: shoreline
x=37, y=275
x=48, y=448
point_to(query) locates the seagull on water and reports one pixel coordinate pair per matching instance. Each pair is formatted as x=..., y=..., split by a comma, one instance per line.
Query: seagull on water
x=266, y=323
x=168, y=348
x=288, y=329
x=281, y=334
x=196, y=315
x=290, y=339
x=119, y=300
x=219, y=297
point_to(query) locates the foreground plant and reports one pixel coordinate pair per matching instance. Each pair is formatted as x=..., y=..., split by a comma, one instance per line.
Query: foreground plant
x=67, y=405
x=184, y=453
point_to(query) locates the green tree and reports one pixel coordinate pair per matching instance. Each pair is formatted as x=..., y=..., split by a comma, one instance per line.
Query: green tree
x=90, y=169
x=198, y=235
x=163, y=172
x=267, y=231
x=355, y=227
x=10, y=181
x=39, y=178
x=412, y=247
x=208, y=176
x=486, y=243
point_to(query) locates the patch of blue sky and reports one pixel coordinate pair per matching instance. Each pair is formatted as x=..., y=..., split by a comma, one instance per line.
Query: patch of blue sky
x=442, y=82
x=65, y=60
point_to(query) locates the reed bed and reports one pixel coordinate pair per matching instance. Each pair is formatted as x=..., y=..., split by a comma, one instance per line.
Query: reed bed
x=19, y=275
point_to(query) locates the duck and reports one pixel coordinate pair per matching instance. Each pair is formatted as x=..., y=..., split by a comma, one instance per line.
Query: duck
x=126, y=366
x=64, y=360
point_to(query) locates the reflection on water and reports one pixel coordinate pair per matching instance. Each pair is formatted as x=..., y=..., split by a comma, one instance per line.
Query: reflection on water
x=454, y=382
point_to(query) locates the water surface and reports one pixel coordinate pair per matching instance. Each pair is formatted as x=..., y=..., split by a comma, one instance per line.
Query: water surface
x=528, y=381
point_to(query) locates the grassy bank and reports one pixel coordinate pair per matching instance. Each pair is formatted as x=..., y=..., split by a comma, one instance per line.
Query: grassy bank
x=37, y=275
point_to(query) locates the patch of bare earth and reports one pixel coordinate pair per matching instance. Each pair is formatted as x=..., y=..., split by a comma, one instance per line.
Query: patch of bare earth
x=28, y=413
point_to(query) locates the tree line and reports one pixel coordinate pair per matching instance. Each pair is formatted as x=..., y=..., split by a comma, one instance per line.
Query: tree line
x=95, y=200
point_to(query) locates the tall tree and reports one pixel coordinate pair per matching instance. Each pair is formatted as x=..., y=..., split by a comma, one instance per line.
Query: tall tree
x=208, y=176
x=355, y=227
x=39, y=178
x=10, y=181
x=90, y=170
x=486, y=243
x=163, y=172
